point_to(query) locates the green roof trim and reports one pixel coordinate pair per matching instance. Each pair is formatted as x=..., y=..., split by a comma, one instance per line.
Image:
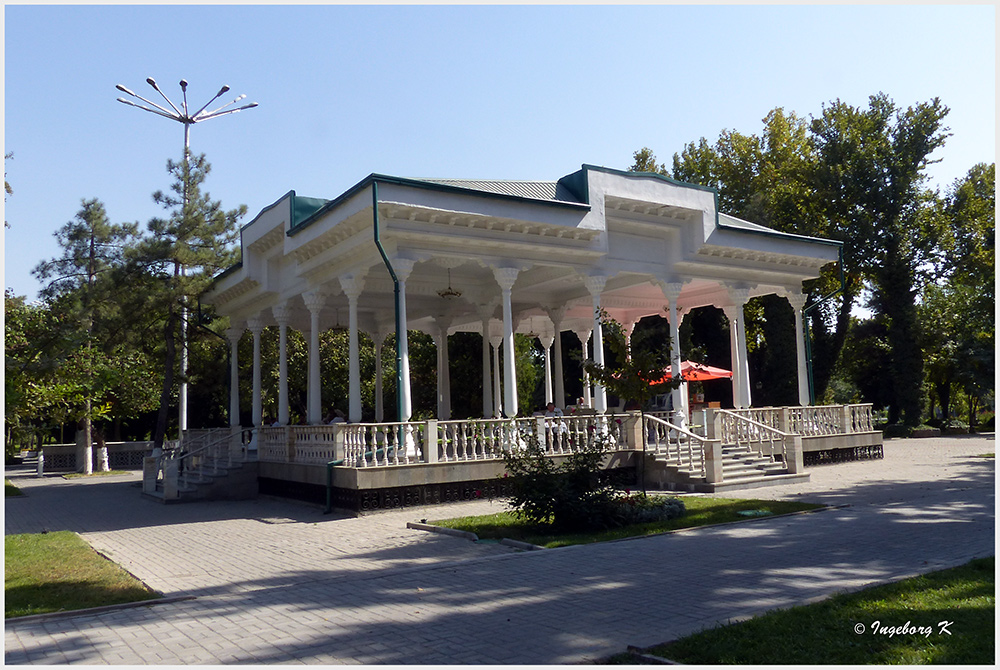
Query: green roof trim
x=302, y=208
x=428, y=185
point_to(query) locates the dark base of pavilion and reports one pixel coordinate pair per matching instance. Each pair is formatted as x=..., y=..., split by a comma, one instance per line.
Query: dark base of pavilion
x=860, y=453
x=384, y=498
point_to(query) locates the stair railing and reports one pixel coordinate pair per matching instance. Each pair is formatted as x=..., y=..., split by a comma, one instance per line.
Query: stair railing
x=178, y=464
x=677, y=445
x=742, y=431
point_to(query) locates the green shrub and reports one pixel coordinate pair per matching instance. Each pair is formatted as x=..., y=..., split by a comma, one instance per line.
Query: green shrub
x=576, y=495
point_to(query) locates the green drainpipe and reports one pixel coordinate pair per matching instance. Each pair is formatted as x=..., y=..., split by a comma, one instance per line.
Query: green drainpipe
x=805, y=325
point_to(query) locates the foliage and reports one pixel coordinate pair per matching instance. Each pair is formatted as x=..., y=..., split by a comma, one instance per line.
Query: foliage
x=571, y=496
x=633, y=374
x=857, y=175
x=178, y=258
x=9, y=490
x=55, y=572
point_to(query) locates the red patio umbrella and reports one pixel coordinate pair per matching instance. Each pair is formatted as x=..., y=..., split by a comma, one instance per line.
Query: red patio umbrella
x=696, y=372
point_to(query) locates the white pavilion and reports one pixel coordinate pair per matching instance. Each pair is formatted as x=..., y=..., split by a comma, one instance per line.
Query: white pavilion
x=528, y=256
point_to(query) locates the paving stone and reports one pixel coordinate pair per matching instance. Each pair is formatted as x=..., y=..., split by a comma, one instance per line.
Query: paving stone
x=324, y=590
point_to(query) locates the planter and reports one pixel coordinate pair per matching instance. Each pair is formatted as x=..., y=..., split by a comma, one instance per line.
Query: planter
x=927, y=432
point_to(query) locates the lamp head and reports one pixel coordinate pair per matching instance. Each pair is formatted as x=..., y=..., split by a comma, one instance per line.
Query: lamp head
x=184, y=84
x=151, y=81
x=222, y=91
x=124, y=90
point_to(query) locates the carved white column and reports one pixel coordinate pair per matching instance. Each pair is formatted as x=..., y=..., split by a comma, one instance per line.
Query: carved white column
x=798, y=301
x=506, y=278
x=546, y=341
x=497, y=341
x=314, y=405
x=256, y=327
x=486, y=313
x=379, y=340
x=735, y=314
x=559, y=390
x=234, y=334
x=403, y=268
x=584, y=337
x=595, y=285
x=737, y=319
x=444, y=375
x=352, y=286
x=672, y=291
x=282, y=314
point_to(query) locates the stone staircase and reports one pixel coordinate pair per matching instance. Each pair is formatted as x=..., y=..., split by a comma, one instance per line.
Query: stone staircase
x=213, y=466
x=742, y=468
x=209, y=480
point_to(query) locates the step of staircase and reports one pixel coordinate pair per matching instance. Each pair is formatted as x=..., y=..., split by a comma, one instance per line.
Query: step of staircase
x=741, y=469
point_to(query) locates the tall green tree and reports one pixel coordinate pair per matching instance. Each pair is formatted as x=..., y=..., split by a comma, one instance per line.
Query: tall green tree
x=871, y=175
x=79, y=286
x=180, y=254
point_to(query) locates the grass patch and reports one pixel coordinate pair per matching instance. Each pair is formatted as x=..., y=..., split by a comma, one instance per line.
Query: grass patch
x=96, y=473
x=55, y=572
x=700, y=512
x=10, y=490
x=824, y=633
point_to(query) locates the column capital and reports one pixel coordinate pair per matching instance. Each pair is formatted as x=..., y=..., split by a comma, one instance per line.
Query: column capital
x=314, y=300
x=403, y=267
x=547, y=339
x=595, y=284
x=738, y=294
x=556, y=315
x=488, y=310
x=584, y=334
x=352, y=285
x=234, y=334
x=671, y=290
x=282, y=313
x=796, y=300
x=733, y=312
x=255, y=325
x=506, y=277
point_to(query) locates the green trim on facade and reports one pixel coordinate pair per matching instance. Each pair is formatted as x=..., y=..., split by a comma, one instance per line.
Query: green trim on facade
x=431, y=186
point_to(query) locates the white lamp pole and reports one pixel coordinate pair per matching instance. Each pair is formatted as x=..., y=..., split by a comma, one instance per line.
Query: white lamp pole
x=182, y=116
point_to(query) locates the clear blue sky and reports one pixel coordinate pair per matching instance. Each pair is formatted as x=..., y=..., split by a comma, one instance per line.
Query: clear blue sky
x=517, y=92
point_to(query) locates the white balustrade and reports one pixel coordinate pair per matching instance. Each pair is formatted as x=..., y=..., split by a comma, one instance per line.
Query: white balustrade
x=676, y=445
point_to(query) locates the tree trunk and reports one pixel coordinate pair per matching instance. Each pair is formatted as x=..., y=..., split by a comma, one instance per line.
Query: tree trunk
x=84, y=447
x=102, y=450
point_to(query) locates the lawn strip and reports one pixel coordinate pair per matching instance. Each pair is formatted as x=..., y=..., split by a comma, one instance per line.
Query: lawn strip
x=701, y=511
x=9, y=490
x=897, y=623
x=53, y=572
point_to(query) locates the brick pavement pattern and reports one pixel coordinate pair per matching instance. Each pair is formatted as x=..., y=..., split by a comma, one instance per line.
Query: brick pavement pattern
x=278, y=582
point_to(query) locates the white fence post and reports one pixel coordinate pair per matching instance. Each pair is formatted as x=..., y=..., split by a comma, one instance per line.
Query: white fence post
x=431, y=441
x=793, y=454
x=713, y=461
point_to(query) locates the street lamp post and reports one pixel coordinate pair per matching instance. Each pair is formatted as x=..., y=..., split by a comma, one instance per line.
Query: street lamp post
x=184, y=117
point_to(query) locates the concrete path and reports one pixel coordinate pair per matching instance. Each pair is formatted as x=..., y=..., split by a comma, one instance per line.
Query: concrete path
x=278, y=582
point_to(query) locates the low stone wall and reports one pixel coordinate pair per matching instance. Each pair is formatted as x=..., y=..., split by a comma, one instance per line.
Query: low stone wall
x=121, y=456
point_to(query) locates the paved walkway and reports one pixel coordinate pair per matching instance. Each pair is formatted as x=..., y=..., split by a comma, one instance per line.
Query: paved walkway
x=278, y=582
